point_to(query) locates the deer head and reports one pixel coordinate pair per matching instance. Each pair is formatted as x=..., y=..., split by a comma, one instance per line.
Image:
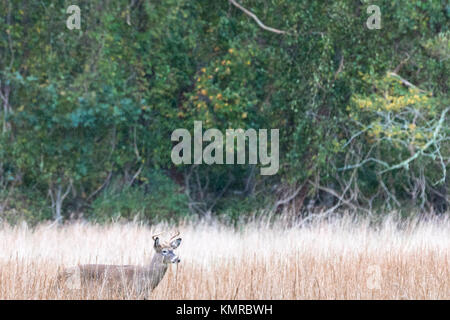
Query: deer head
x=165, y=249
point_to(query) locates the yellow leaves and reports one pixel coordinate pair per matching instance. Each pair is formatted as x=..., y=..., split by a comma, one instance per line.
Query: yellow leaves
x=392, y=114
x=204, y=92
x=244, y=115
x=376, y=130
x=413, y=90
x=219, y=96
x=249, y=62
x=201, y=105
x=336, y=144
x=20, y=109
x=203, y=70
x=364, y=76
x=362, y=103
x=399, y=103
x=231, y=50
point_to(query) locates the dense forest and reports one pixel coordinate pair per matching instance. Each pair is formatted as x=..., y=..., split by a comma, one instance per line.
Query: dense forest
x=87, y=114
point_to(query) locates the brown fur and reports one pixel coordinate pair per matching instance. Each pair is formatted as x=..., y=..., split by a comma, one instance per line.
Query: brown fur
x=143, y=279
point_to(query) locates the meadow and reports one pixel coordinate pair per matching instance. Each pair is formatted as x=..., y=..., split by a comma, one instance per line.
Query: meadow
x=343, y=258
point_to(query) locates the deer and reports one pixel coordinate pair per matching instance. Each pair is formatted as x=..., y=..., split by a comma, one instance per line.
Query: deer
x=143, y=279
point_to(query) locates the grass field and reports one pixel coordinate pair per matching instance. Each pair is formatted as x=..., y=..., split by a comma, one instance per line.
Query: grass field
x=342, y=259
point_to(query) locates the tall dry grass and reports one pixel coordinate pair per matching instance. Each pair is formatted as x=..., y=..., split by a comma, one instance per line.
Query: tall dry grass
x=340, y=259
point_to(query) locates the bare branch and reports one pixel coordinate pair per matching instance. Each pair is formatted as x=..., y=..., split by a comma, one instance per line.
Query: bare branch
x=397, y=69
x=254, y=17
x=101, y=187
x=405, y=163
x=288, y=199
x=69, y=187
x=339, y=197
x=404, y=81
x=135, y=175
x=341, y=67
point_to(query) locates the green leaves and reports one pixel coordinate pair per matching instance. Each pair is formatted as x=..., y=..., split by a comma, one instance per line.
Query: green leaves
x=106, y=99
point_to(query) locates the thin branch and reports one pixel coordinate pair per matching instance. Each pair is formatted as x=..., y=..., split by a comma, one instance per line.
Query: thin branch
x=69, y=187
x=404, y=81
x=8, y=21
x=363, y=163
x=254, y=17
x=397, y=69
x=341, y=67
x=405, y=164
x=224, y=189
x=101, y=187
x=339, y=197
x=288, y=199
x=136, y=175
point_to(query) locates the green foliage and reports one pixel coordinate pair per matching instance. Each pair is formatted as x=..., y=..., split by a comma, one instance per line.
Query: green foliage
x=28, y=205
x=156, y=198
x=91, y=106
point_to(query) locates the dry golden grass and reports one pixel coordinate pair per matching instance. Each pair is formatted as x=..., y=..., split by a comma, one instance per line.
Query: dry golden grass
x=343, y=259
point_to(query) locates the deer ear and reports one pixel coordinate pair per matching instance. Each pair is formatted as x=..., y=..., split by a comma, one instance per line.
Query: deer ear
x=175, y=243
x=156, y=244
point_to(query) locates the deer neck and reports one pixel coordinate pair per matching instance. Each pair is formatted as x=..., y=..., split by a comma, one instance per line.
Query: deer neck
x=157, y=269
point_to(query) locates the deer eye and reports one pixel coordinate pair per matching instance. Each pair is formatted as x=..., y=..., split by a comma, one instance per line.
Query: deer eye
x=164, y=251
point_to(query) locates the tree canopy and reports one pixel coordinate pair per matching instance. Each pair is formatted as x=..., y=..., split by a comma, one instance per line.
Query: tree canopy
x=87, y=114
